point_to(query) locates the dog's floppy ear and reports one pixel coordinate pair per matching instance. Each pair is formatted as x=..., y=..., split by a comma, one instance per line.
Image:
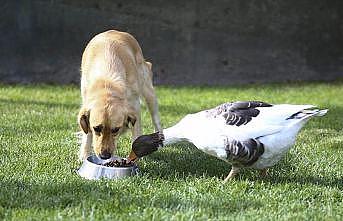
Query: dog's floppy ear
x=131, y=120
x=84, y=120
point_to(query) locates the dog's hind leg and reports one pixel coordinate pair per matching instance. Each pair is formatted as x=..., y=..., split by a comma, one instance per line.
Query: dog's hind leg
x=151, y=101
x=150, y=96
x=86, y=146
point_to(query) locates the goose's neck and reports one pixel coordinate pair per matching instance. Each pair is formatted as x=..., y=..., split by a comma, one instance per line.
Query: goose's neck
x=174, y=134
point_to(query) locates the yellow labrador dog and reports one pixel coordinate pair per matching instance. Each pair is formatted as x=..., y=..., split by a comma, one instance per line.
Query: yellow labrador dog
x=114, y=76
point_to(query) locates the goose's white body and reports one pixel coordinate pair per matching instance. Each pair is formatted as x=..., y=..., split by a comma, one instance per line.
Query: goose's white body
x=276, y=127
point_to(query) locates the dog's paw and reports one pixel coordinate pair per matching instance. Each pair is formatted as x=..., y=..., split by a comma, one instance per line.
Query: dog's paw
x=83, y=156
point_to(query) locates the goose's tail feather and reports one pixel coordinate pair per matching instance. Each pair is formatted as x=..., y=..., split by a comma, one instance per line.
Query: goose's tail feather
x=321, y=113
x=299, y=119
x=307, y=113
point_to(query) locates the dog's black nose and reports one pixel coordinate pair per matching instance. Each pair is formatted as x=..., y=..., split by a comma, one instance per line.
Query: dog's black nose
x=105, y=155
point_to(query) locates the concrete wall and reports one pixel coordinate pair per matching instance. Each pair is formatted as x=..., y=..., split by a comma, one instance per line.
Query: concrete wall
x=189, y=42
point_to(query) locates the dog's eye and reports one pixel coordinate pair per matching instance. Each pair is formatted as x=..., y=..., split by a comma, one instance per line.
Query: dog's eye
x=115, y=130
x=97, y=129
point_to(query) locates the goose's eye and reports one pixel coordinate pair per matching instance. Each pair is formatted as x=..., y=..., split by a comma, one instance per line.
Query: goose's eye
x=97, y=129
x=115, y=130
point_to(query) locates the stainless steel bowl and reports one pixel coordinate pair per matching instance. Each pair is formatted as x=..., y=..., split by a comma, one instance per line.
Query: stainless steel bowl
x=93, y=169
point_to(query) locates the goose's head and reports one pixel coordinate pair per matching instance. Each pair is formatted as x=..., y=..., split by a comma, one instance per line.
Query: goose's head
x=145, y=145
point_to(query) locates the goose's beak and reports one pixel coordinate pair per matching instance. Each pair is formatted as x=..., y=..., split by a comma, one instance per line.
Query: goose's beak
x=132, y=156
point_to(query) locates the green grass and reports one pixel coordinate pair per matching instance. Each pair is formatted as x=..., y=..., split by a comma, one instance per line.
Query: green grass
x=38, y=159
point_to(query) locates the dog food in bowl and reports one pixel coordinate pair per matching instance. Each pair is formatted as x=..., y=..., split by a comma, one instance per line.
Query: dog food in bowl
x=94, y=168
x=119, y=163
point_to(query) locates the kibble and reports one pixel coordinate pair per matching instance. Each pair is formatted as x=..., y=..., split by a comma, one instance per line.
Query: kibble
x=119, y=163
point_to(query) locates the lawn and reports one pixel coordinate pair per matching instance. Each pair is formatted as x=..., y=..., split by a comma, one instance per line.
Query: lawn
x=38, y=159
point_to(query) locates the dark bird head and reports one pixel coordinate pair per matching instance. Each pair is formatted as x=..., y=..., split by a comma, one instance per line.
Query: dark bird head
x=145, y=145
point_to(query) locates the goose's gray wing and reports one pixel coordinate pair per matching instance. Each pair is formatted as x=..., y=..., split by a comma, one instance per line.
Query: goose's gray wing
x=243, y=153
x=238, y=113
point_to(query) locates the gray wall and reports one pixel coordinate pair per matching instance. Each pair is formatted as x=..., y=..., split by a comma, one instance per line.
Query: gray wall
x=188, y=42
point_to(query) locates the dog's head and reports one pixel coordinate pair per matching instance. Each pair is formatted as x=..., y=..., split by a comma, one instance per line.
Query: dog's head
x=106, y=122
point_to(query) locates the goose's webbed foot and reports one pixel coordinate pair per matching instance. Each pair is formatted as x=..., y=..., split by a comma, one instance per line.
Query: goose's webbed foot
x=233, y=172
x=264, y=172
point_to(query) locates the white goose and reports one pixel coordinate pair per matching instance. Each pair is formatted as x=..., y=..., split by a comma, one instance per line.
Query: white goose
x=246, y=134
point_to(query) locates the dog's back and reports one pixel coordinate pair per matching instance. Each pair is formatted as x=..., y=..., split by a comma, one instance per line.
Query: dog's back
x=112, y=54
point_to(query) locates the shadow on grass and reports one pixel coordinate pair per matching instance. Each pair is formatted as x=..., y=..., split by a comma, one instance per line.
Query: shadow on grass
x=181, y=160
x=184, y=160
x=306, y=180
x=88, y=194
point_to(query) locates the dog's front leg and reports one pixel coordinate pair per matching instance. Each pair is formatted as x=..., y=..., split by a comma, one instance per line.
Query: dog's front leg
x=86, y=146
x=151, y=101
x=137, y=128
